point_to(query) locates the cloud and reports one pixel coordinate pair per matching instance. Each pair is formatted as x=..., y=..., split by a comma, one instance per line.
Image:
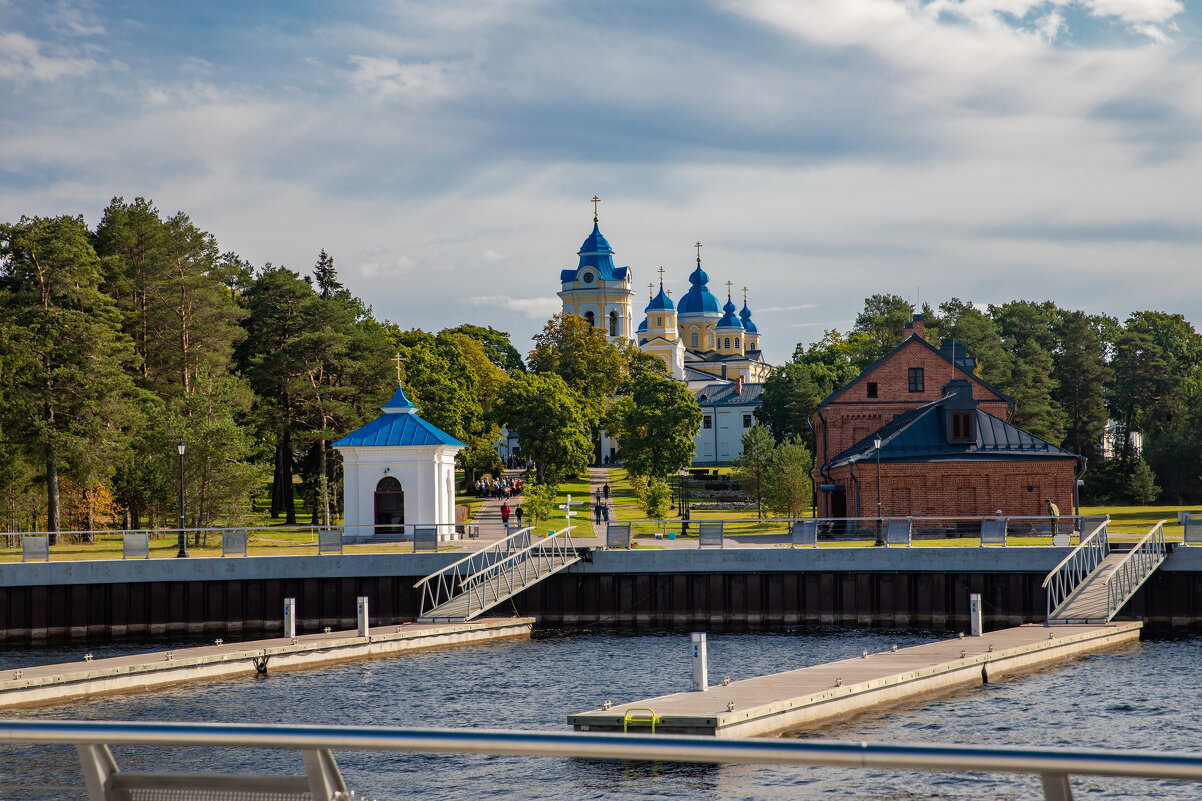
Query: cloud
x=389, y=77
x=795, y=307
x=539, y=308
x=74, y=19
x=23, y=60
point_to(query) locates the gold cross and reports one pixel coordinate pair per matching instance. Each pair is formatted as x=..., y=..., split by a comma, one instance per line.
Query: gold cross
x=595, y=201
x=698, y=246
x=397, y=360
x=650, y=290
x=744, y=296
x=661, y=276
x=728, y=286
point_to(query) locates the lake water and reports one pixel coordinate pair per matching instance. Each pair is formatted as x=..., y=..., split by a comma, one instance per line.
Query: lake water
x=1144, y=696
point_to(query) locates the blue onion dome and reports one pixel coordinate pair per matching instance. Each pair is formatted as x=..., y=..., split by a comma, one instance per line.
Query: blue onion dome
x=698, y=300
x=661, y=302
x=642, y=326
x=729, y=320
x=596, y=254
x=745, y=315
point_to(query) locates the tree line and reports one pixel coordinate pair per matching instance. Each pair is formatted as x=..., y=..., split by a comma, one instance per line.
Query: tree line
x=1078, y=380
x=122, y=341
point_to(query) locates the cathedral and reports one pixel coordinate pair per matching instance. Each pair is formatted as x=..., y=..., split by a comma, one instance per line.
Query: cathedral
x=714, y=348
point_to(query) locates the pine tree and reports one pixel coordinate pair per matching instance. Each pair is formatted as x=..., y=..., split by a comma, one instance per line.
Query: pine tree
x=1081, y=374
x=326, y=276
x=1034, y=390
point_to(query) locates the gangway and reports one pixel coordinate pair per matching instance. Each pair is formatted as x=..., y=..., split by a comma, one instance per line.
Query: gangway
x=1093, y=582
x=496, y=573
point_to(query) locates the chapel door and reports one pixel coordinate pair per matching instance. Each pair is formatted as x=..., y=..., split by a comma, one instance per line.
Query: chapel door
x=390, y=506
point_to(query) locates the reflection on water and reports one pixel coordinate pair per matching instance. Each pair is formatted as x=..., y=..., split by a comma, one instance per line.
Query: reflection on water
x=1141, y=697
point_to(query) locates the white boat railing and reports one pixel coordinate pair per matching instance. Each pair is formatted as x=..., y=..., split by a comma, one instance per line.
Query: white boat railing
x=323, y=782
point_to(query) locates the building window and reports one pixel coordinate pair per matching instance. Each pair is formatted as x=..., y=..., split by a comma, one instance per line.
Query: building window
x=694, y=339
x=962, y=426
x=726, y=343
x=872, y=389
x=724, y=371
x=588, y=278
x=707, y=422
x=915, y=379
x=613, y=323
x=592, y=319
x=659, y=322
x=710, y=339
x=736, y=342
x=746, y=421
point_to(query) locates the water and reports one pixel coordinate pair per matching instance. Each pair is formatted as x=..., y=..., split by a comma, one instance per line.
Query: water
x=1144, y=696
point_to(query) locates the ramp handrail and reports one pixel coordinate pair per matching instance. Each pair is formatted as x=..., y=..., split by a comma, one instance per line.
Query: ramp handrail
x=1074, y=568
x=1129, y=574
x=1054, y=765
x=439, y=586
x=497, y=578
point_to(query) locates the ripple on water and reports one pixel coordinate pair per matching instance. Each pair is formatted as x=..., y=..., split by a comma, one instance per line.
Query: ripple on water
x=1143, y=697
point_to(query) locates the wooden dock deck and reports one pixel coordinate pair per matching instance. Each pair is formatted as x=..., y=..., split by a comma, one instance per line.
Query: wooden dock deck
x=47, y=684
x=808, y=697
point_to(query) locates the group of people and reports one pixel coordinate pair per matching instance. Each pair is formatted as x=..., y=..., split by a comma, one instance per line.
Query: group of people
x=516, y=512
x=505, y=488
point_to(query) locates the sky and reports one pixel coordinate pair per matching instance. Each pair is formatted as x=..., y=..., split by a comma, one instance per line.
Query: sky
x=444, y=152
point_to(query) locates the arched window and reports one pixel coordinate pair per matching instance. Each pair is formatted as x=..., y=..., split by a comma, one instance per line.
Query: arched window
x=694, y=339
x=390, y=506
x=724, y=371
x=709, y=339
x=726, y=343
x=659, y=322
x=613, y=323
x=592, y=319
x=736, y=342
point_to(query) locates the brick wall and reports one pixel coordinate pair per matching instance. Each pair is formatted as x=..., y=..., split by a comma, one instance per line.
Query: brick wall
x=933, y=489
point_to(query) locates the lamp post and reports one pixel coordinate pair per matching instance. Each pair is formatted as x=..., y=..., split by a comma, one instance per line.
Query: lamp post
x=183, y=538
x=880, y=539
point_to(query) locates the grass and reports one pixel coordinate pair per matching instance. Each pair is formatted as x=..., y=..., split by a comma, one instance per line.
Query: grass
x=578, y=489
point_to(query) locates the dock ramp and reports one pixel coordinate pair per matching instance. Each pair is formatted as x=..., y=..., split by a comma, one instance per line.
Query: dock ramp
x=496, y=573
x=1093, y=582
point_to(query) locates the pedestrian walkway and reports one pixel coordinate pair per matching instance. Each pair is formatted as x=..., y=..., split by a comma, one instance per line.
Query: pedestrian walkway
x=488, y=516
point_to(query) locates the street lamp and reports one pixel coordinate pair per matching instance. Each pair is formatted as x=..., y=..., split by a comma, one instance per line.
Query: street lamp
x=183, y=539
x=876, y=443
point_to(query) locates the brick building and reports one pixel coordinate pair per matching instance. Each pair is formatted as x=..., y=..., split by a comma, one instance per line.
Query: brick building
x=946, y=446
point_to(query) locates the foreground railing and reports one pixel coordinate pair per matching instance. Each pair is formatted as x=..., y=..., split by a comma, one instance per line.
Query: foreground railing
x=1076, y=567
x=1129, y=574
x=439, y=587
x=323, y=782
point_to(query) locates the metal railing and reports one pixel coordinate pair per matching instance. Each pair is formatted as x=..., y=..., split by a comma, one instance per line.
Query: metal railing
x=502, y=565
x=323, y=782
x=1129, y=574
x=1076, y=567
x=995, y=530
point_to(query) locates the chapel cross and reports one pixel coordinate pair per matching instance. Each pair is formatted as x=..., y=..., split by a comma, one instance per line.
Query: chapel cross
x=595, y=201
x=728, y=286
x=661, y=276
x=698, y=246
x=744, y=296
x=397, y=360
x=650, y=290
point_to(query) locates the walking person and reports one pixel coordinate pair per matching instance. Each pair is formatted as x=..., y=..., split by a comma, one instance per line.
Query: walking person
x=605, y=513
x=505, y=514
x=518, y=514
x=597, y=514
x=605, y=490
x=1054, y=514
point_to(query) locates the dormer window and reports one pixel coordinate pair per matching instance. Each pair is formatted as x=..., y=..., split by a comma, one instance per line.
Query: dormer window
x=587, y=278
x=961, y=427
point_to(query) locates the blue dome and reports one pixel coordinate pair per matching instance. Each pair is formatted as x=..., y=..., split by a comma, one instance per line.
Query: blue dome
x=729, y=320
x=661, y=302
x=597, y=254
x=698, y=300
x=642, y=327
x=745, y=315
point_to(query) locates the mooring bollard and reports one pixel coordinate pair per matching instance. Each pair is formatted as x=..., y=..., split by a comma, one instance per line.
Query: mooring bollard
x=701, y=676
x=290, y=617
x=362, y=612
x=974, y=613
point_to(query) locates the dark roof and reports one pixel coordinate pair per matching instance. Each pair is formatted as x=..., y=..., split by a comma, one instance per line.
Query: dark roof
x=693, y=374
x=958, y=364
x=728, y=394
x=920, y=435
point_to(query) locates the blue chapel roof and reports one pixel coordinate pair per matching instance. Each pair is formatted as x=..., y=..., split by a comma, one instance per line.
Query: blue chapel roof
x=729, y=320
x=399, y=425
x=698, y=300
x=597, y=254
x=661, y=302
x=745, y=316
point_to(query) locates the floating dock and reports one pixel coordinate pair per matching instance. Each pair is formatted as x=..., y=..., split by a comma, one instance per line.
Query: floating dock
x=48, y=684
x=809, y=697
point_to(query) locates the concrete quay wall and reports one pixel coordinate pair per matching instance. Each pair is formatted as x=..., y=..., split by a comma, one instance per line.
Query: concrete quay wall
x=710, y=589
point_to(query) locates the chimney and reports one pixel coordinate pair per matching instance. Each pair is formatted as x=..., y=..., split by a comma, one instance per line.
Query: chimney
x=917, y=327
x=739, y=384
